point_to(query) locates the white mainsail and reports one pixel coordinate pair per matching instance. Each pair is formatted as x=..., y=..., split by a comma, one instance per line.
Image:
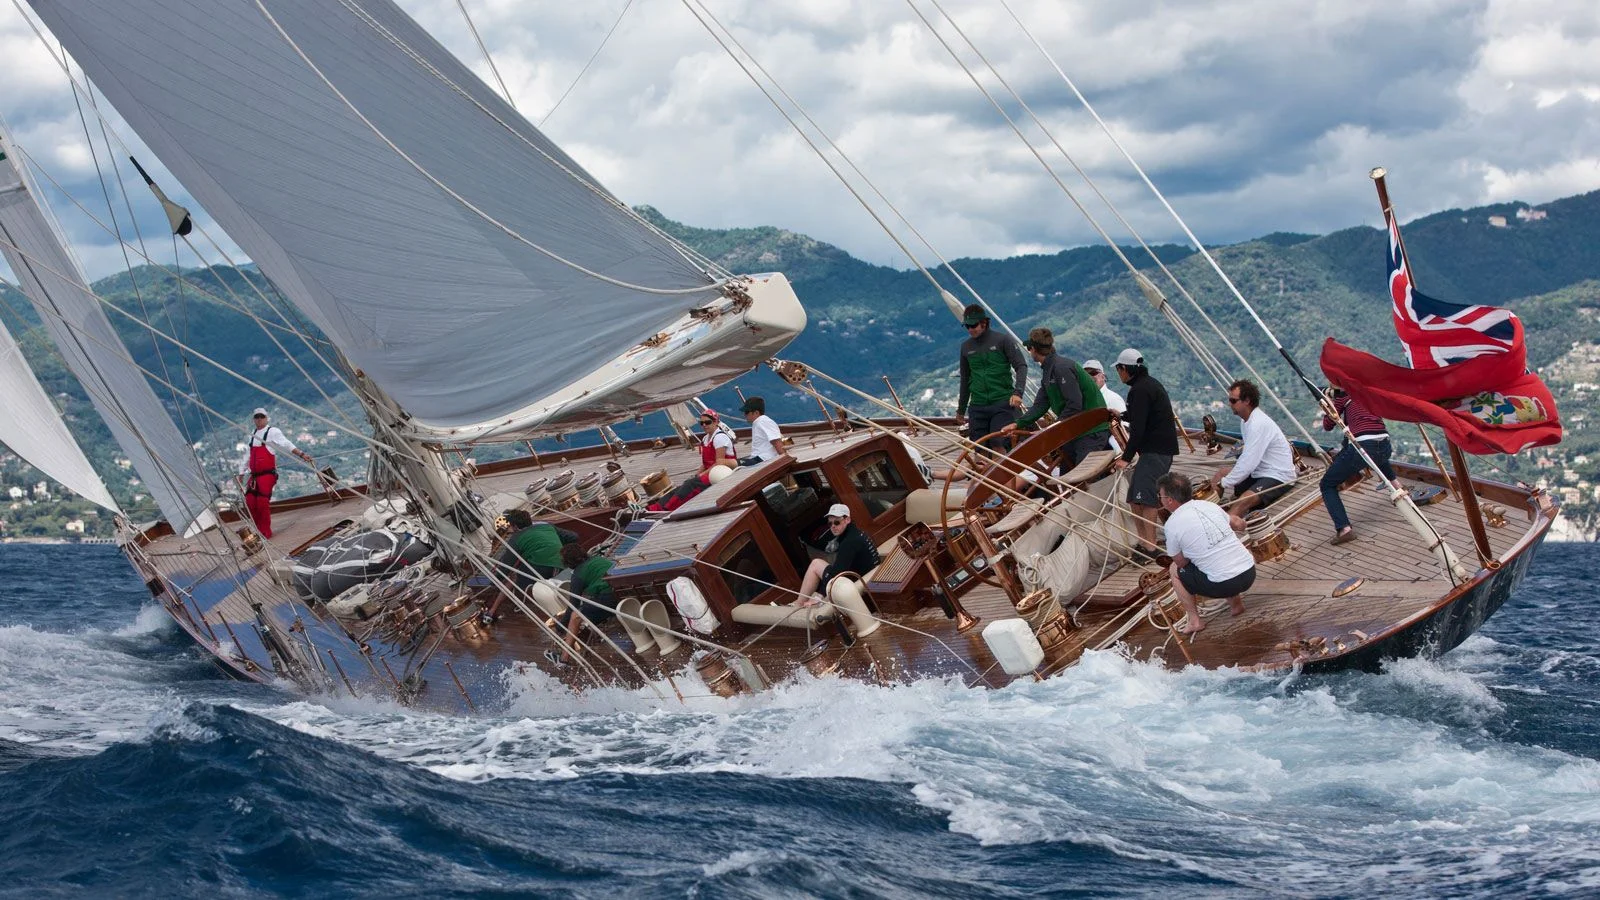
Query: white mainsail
x=72, y=314
x=32, y=427
x=455, y=255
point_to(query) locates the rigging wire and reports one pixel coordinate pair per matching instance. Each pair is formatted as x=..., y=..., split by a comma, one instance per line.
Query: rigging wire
x=823, y=133
x=581, y=72
x=1195, y=241
x=493, y=69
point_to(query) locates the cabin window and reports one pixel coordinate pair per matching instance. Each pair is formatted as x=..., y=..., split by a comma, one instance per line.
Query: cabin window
x=878, y=482
x=744, y=569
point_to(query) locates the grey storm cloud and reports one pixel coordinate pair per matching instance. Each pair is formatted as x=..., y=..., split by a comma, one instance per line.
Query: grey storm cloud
x=1253, y=115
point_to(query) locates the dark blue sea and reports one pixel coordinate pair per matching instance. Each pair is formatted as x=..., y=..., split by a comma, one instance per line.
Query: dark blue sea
x=129, y=767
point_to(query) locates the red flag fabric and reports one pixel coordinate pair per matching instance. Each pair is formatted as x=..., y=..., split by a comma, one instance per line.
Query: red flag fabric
x=1486, y=404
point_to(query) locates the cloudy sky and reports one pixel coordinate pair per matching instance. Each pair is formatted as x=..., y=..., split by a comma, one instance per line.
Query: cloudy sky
x=1253, y=115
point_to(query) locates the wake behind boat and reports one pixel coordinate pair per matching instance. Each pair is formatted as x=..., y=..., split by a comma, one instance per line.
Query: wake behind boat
x=433, y=235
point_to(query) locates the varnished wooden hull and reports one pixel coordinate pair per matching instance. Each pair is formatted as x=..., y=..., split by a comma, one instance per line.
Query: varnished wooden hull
x=212, y=588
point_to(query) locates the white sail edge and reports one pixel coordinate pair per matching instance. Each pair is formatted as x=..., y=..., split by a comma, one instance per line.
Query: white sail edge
x=54, y=283
x=32, y=427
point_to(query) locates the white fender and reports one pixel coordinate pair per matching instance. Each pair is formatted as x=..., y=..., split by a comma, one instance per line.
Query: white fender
x=548, y=598
x=628, y=612
x=692, y=604
x=717, y=473
x=844, y=593
x=655, y=616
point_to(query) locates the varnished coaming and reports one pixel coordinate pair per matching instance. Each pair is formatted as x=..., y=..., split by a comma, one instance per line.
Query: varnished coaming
x=1406, y=606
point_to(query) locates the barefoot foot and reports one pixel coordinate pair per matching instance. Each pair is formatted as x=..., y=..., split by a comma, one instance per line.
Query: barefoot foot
x=1236, y=605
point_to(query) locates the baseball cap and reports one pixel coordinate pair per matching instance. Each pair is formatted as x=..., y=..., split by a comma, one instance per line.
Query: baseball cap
x=973, y=314
x=1094, y=364
x=753, y=404
x=259, y=412
x=838, y=510
x=1130, y=357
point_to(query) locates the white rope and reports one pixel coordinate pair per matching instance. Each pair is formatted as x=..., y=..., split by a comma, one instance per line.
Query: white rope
x=493, y=69
x=585, y=70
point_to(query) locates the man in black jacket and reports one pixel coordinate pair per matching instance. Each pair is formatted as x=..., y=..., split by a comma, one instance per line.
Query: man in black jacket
x=1152, y=437
x=851, y=549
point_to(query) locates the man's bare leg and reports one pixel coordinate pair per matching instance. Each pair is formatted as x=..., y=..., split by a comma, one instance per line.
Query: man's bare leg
x=1192, y=623
x=812, y=580
x=1236, y=604
x=1144, y=523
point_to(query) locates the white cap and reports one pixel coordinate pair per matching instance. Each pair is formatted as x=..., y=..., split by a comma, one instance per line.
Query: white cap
x=1094, y=364
x=259, y=412
x=1130, y=357
x=838, y=510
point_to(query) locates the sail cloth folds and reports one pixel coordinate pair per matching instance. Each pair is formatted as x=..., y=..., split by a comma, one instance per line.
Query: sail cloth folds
x=32, y=428
x=458, y=320
x=77, y=323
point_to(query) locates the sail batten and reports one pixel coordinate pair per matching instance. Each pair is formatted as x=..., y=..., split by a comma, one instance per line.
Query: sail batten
x=454, y=254
x=72, y=315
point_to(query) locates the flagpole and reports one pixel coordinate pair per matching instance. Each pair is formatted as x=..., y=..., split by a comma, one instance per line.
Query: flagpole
x=1469, y=497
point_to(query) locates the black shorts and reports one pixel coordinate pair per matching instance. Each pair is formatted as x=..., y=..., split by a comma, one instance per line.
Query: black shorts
x=1146, y=472
x=1200, y=584
x=1267, y=489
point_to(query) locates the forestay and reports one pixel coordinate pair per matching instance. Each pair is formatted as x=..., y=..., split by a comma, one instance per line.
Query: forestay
x=73, y=316
x=389, y=229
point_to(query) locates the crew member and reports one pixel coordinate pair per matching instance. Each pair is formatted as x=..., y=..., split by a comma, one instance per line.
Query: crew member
x=534, y=548
x=589, y=583
x=1113, y=400
x=258, y=469
x=851, y=552
x=1152, y=437
x=993, y=376
x=766, y=440
x=1066, y=390
x=1208, y=559
x=716, y=449
x=1265, y=468
x=1373, y=437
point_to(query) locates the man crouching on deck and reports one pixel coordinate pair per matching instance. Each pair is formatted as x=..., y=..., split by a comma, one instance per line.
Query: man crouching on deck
x=1208, y=560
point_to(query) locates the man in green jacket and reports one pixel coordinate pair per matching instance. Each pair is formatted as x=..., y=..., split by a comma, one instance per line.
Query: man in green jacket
x=1065, y=389
x=534, y=548
x=993, y=376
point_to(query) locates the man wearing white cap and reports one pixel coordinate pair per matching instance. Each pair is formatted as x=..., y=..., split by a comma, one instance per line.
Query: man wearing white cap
x=1114, y=401
x=1153, y=438
x=258, y=469
x=850, y=550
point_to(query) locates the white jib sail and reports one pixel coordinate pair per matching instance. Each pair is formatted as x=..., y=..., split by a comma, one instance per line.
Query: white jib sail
x=32, y=427
x=458, y=257
x=75, y=320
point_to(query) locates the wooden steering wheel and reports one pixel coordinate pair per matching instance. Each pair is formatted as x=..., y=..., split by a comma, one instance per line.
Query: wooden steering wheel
x=976, y=513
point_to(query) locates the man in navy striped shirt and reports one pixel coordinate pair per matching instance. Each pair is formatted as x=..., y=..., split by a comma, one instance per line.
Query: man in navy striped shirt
x=1373, y=437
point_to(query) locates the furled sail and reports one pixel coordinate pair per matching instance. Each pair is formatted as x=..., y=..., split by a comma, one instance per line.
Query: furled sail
x=32, y=428
x=50, y=276
x=459, y=258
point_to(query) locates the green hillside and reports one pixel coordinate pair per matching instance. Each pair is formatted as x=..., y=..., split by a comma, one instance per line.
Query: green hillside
x=867, y=321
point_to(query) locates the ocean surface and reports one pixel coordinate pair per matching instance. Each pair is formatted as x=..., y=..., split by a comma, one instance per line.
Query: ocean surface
x=130, y=767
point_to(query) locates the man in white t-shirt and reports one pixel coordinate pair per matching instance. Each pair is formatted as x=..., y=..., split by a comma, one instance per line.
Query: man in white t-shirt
x=1208, y=559
x=766, y=441
x=1114, y=402
x=1265, y=468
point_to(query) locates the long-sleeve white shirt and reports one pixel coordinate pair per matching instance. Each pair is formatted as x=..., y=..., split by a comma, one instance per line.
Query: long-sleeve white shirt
x=270, y=437
x=1266, y=452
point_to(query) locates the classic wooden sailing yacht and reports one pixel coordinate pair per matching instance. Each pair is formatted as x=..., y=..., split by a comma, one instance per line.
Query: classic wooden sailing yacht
x=434, y=235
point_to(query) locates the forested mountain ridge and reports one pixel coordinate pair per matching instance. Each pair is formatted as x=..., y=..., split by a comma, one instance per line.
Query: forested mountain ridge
x=867, y=321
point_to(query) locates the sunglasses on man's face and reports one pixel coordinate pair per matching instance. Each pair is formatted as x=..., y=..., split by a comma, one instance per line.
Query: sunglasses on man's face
x=1232, y=400
x=835, y=521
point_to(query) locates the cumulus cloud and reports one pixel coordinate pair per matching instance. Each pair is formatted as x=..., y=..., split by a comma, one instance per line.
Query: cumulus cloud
x=1253, y=115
